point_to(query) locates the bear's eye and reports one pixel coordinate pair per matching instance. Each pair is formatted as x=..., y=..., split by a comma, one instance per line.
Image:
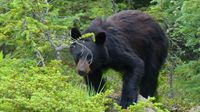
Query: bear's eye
x=89, y=58
x=78, y=56
x=73, y=45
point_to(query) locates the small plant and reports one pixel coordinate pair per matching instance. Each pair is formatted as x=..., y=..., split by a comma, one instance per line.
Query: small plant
x=143, y=106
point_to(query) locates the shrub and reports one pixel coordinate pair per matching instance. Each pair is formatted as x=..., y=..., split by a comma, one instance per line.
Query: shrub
x=26, y=87
x=188, y=75
x=144, y=106
x=181, y=21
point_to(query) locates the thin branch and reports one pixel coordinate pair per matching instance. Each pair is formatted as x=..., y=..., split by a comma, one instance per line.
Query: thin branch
x=41, y=57
x=47, y=8
x=130, y=2
x=49, y=38
x=61, y=47
x=171, y=94
x=57, y=48
x=24, y=25
x=48, y=34
x=114, y=6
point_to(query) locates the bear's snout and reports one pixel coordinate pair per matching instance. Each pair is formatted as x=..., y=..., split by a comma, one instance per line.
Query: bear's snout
x=83, y=67
x=82, y=72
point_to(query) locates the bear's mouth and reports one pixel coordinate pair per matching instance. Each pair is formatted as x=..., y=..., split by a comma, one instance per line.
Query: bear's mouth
x=83, y=67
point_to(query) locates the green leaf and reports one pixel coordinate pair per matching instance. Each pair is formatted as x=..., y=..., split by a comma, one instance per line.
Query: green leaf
x=89, y=35
x=1, y=56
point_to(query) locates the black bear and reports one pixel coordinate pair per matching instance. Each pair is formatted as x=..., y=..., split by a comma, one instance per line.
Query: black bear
x=130, y=42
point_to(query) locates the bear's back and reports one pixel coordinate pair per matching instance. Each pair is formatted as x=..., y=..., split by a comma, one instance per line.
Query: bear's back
x=140, y=31
x=135, y=24
x=133, y=29
x=126, y=17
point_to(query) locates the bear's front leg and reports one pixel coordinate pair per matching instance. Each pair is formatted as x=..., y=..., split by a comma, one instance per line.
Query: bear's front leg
x=95, y=81
x=131, y=82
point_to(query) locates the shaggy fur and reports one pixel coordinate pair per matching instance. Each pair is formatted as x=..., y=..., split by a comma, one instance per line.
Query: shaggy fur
x=130, y=42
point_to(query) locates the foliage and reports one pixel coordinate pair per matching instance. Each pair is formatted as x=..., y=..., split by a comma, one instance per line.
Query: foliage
x=179, y=86
x=86, y=10
x=24, y=26
x=133, y=4
x=89, y=35
x=188, y=75
x=28, y=27
x=181, y=20
x=26, y=87
x=144, y=106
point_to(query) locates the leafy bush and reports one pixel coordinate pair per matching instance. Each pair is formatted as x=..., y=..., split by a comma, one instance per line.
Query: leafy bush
x=183, y=93
x=26, y=87
x=28, y=27
x=188, y=76
x=180, y=18
x=181, y=21
x=144, y=106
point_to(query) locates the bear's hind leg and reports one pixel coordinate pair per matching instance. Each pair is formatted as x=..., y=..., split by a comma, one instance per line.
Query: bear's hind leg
x=149, y=82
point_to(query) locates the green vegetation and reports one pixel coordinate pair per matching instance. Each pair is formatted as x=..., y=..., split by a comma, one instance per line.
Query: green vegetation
x=38, y=74
x=26, y=87
x=144, y=106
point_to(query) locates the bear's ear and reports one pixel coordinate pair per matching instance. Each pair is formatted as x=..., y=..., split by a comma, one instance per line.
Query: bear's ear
x=75, y=33
x=100, y=38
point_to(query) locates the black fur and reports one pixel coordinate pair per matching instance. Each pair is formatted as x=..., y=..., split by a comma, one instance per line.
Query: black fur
x=133, y=44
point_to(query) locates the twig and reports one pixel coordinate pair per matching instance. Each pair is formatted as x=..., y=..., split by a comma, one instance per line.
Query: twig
x=41, y=57
x=114, y=6
x=48, y=34
x=24, y=26
x=129, y=2
x=57, y=48
x=171, y=94
x=49, y=38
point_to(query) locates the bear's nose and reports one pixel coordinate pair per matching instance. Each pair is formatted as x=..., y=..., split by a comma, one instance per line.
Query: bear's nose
x=82, y=67
x=82, y=72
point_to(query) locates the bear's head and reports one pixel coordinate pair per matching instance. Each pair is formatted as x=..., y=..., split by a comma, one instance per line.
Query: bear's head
x=89, y=53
